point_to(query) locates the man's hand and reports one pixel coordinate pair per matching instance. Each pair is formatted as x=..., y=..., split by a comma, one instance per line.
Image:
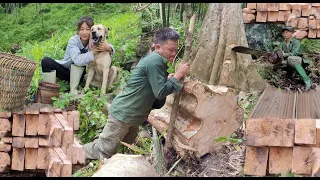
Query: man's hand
x=182, y=71
x=103, y=46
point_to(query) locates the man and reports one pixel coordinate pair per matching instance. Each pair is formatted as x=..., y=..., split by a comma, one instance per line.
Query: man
x=149, y=82
x=291, y=51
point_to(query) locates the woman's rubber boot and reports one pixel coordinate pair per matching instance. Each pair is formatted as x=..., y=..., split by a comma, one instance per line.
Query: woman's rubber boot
x=49, y=76
x=304, y=76
x=75, y=76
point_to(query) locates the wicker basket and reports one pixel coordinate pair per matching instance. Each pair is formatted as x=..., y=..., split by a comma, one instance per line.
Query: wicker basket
x=16, y=73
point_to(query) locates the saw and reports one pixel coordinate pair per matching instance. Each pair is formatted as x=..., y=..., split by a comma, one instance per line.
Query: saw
x=273, y=57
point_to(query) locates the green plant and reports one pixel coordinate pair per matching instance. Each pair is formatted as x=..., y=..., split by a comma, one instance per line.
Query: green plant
x=63, y=101
x=92, y=118
x=88, y=170
x=232, y=139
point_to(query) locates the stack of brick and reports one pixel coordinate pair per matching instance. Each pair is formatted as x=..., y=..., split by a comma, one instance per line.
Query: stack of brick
x=305, y=17
x=40, y=137
x=283, y=134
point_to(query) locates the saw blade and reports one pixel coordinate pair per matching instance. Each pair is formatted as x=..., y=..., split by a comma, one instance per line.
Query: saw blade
x=246, y=50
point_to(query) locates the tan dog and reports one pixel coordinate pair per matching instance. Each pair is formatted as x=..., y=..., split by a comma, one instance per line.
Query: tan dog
x=100, y=69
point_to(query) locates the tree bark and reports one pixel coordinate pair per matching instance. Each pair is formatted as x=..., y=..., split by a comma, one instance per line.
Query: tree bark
x=213, y=61
x=163, y=14
x=168, y=15
x=181, y=11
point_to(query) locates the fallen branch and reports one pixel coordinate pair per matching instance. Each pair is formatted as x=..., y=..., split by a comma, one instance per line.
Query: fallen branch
x=140, y=8
x=168, y=149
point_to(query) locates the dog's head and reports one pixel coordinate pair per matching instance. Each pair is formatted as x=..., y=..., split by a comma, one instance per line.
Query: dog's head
x=99, y=33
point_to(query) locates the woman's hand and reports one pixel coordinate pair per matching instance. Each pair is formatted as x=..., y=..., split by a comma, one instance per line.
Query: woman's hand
x=103, y=46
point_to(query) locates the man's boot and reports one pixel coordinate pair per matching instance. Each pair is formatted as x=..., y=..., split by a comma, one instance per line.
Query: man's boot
x=75, y=76
x=304, y=76
x=49, y=76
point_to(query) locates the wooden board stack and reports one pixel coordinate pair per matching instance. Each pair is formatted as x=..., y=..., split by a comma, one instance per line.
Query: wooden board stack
x=301, y=16
x=283, y=134
x=40, y=137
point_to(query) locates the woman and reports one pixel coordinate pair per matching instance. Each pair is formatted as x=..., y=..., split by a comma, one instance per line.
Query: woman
x=76, y=53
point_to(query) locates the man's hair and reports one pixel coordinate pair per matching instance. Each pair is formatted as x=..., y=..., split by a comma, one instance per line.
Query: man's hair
x=84, y=19
x=164, y=34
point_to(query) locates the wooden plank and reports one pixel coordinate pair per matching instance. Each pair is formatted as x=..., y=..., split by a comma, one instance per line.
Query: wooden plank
x=44, y=124
x=65, y=115
x=302, y=23
x=7, y=140
x=44, y=142
x=273, y=7
x=31, y=158
x=284, y=6
x=5, y=114
x=5, y=125
x=56, y=131
x=270, y=132
x=46, y=109
x=256, y=161
x=67, y=136
x=76, y=120
x=252, y=5
x=32, y=121
x=70, y=118
x=283, y=16
x=301, y=160
x=272, y=16
x=18, y=155
x=312, y=33
x=312, y=22
x=43, y=158
x=55, y=164
x=18, y=142
x=68, y=151
x=3, y=134
x=317, y=134
x=32, y=109
x=4, y=159
x=2, y=168
x=280, y=160
x=31, y=142
x=66, y=169
x=4, y=147
x=315, y=162
x=78, y=156
x=18, y=125
x=305, y=131
x=262, y=6
x=262, y=16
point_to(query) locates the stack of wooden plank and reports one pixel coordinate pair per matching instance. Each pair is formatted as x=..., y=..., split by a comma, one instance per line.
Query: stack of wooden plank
x=301, y=16
x=283, y=134
x=40, y=137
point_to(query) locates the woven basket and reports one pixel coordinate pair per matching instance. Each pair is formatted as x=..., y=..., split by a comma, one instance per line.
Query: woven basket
x=16, y=73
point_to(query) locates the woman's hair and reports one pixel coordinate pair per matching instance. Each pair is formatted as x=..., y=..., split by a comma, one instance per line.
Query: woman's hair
x=84, y=19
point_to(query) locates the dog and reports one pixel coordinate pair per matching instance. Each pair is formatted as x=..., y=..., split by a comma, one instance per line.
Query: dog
x=100, y=69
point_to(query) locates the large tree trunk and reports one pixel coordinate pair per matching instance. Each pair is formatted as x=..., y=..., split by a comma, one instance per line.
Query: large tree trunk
x=213, y=61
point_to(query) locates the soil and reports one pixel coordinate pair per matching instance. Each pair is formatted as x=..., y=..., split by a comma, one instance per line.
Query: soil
x=287, y=78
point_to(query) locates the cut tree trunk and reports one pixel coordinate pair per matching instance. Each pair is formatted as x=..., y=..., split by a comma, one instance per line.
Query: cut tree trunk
x=213, y=61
